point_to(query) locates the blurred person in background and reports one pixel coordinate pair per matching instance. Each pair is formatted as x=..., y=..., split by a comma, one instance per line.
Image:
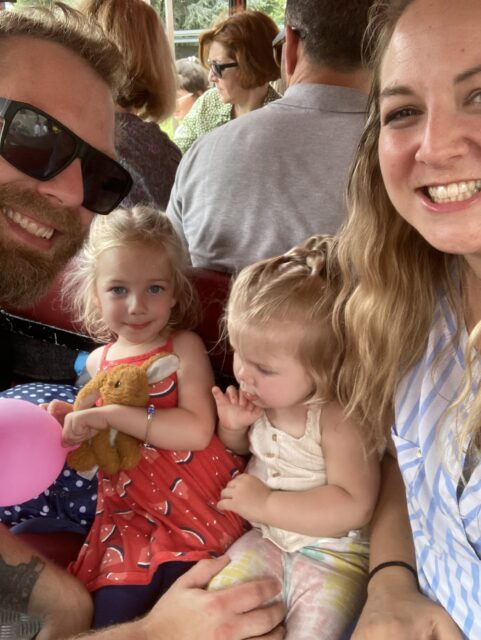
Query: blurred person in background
x=192, y=82
x=278, y=175
x=147, y=99
x=238, y=53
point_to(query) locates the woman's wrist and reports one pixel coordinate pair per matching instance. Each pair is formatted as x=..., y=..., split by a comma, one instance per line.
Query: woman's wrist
x=394, y=571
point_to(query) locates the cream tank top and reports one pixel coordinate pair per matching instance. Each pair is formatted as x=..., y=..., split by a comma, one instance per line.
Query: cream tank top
x=286, y=463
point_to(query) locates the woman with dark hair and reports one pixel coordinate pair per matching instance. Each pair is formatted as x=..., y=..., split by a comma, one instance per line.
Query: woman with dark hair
x=238, y=54
x=146, y=100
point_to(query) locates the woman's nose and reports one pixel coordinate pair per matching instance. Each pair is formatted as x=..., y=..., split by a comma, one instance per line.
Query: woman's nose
x=444, y=139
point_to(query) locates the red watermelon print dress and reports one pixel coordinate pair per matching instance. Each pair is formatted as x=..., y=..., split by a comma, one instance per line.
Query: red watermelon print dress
x=164, y=509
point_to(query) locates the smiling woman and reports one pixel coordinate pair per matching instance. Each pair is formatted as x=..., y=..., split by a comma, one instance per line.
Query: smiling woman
x=411, y=315
x=238, y=54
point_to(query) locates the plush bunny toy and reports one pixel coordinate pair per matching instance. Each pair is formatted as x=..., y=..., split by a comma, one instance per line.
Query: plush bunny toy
x=125, y=384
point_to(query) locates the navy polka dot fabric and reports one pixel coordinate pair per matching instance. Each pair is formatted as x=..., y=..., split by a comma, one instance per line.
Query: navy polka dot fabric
x=38, y=392
x=69, y=503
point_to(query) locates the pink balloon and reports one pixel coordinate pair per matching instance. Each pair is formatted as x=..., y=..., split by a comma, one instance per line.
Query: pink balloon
x=31, y=450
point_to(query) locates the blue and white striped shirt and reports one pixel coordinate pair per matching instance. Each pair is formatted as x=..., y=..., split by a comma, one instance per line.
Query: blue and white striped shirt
x=445, y=516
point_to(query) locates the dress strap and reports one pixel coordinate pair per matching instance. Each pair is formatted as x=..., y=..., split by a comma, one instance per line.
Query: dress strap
x=103, y=357
x=169, y=345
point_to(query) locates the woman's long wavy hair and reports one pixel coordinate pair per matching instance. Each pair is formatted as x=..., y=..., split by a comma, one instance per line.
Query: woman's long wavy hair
x=140, y=225
x=391, y=275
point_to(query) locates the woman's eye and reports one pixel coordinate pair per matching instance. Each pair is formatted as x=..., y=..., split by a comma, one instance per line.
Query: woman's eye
x=399, y=115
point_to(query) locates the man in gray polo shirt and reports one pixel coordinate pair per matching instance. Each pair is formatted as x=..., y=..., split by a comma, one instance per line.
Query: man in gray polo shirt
x=268, y=180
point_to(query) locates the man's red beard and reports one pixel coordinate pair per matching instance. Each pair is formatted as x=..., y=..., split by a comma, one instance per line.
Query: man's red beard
x=27, y=273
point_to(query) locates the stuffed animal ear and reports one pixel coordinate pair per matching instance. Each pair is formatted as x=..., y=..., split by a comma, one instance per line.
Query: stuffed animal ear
x=88, y=395
x=159, y=367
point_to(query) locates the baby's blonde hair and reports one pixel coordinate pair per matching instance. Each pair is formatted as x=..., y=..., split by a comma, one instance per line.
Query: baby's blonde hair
x=298, y=287
x=119, y=229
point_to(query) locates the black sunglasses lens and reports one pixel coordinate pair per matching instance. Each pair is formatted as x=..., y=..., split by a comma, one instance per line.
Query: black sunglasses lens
x=106, y=183
x=217, y=69
x=37, y=146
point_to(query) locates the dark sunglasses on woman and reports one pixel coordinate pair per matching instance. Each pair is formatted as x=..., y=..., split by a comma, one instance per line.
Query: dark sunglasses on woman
x=218, y=69
x=41, y=147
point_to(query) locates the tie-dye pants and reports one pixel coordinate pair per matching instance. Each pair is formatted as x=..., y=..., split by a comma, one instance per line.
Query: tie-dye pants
x=324, y=590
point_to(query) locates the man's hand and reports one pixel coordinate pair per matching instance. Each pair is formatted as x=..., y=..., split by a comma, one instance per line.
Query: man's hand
x=188, y=612
x=245, y=495
x=403, y=614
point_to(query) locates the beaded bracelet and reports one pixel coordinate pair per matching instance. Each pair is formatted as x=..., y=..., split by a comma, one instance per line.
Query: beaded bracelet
x=150, y=417
x=394, y=563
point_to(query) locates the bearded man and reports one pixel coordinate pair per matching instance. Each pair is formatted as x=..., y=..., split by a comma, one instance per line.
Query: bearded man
x=58, y=81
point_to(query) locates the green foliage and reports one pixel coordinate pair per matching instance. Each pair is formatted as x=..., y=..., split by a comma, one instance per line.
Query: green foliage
x=273, y=8
x=197, y=14
x=29, y=3
x=201, y=14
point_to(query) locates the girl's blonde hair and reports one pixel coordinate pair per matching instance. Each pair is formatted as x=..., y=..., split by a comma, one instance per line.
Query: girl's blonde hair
x=119, y=229
x=298, y=287
x=391, y=276
x=138, y=32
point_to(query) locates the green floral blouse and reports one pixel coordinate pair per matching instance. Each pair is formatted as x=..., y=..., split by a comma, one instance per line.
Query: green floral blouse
x=207, y=113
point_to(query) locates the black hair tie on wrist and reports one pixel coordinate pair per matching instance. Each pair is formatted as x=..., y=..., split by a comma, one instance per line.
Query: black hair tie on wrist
x=394, y=563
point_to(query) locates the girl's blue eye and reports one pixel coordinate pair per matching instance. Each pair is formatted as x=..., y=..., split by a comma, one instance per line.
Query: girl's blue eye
x=155, y=288
x=118, y=291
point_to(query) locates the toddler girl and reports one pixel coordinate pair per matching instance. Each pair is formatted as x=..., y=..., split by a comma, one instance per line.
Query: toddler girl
x=310, y=485
x=155, y=520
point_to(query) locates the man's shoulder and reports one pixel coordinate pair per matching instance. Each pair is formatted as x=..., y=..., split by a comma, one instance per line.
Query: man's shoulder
x=291, y=117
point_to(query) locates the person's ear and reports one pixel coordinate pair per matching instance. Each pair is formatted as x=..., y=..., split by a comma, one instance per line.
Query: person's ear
x=290, y=50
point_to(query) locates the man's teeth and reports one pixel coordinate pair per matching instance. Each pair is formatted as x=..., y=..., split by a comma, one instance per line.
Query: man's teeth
x=29, y=225
x=455, y=191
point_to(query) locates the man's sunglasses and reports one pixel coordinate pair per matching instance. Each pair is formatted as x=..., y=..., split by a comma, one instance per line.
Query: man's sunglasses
x=218, y=69
x=41, y=147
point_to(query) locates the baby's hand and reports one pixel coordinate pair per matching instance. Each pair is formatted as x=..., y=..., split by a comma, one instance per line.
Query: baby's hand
x=236, y=413
x=82, y=425
x=245, y=495
x=57, y=408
